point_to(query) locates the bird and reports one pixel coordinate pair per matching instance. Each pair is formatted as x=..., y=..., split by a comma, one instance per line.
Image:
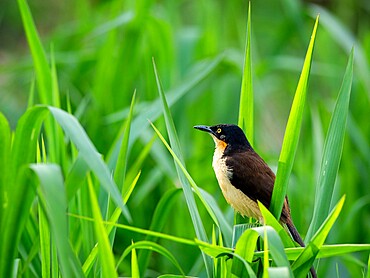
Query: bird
x=244, y=177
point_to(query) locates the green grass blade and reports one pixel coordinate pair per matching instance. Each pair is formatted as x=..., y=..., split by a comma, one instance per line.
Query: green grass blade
x=15, y=214
x=266, y=253
x=323, y=232
x=217, y=251
x=225, y=226
x=326, y=251
x=121, y=165
x=304, y=262
x=18, y=193
x=270, y=220
x=341, y=249
x=56, y=147
x=55, y=94
x=55, y=205
x=135, y=273
x=149, y=245
x=142, y=231
x=189, y=197
x=246, y=247
x=246, y=106
x=332, y=151
x=45, y=243
x=88, y=264
x=87, y=150
x=105, y=251
x=276, y=247
x=139, y=162
x=31, y=95
x=116, y=214
x=29, y=242
x=46, y=80
x=42, y=69
x=214, y=250
x=292, y=132
x=90, y=260
x=25, y=138
x=5, y=137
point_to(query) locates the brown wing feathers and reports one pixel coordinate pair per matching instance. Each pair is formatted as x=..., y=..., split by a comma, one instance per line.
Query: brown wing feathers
x=254, y=178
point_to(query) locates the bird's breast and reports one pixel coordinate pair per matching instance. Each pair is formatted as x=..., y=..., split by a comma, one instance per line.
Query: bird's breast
x=234, y=196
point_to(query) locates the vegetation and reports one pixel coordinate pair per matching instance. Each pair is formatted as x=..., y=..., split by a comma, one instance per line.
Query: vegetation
x=103, y=175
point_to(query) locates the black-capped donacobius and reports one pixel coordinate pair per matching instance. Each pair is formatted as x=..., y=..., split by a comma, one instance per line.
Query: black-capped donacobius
x=244, y=177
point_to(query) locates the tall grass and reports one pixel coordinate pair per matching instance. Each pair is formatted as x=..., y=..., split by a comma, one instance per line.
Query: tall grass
x=95, y=183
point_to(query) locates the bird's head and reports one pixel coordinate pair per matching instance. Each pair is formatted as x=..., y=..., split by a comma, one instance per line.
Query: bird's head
x=227, y=136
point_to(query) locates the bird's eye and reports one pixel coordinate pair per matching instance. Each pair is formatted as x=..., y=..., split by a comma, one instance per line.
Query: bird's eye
x=218, y=130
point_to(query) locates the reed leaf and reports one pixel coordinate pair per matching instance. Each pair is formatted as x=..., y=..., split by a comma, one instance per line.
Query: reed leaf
x=246, y=106
x=121, y=164
x=17, y=193
x=325, y=251
x=46, y=79
x=292, y=132
x=270, y=220
x=91, y=258
x=43, y=72
x=135, y=273
x=105, y=251
x=332, y=152
x=78, y=136
x=5, y=137
x=54, y=203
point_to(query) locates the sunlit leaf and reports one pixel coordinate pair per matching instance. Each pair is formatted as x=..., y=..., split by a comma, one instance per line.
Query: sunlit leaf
x=87, y=150
x=270, y=220
x=246, y=105
x=105, y=252
x=292, y=132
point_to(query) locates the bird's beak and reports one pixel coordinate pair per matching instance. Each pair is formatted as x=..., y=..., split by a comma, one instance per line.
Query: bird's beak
x=205, y=128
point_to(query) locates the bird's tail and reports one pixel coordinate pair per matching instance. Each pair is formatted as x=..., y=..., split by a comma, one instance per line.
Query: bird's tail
x=296, y=236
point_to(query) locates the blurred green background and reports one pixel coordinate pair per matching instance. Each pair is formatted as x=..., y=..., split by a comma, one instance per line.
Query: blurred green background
x=104, y=50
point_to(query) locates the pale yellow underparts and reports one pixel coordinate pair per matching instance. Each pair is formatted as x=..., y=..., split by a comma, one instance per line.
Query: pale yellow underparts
x=235, y=197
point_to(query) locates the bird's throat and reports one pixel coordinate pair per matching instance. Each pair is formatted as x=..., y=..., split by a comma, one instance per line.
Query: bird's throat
x=220, y=145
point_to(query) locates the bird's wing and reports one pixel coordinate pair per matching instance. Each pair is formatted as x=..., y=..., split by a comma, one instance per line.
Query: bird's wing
x=252, y=176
